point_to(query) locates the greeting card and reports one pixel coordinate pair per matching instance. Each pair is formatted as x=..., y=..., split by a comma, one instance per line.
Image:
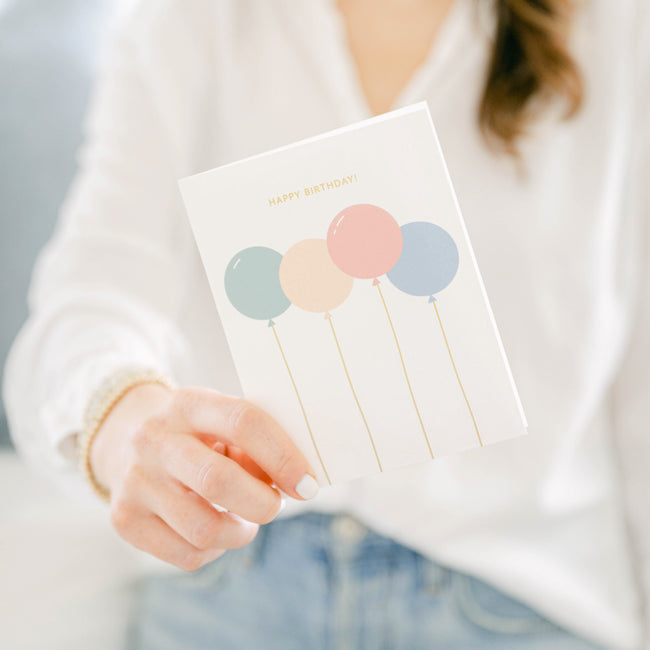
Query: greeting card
x=351, y=299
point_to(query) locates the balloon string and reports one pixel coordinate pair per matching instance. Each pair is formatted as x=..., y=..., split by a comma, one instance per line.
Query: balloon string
x=302, y=408
x=442, y=329
x=356, y=399
x=408, y=382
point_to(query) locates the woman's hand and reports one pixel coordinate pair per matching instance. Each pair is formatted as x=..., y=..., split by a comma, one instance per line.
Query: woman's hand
x=166, y=456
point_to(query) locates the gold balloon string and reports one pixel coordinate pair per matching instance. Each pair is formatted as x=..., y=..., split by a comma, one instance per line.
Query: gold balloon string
x=302, y=408
x=356, y=399
x=460, y=383
x=406, y=376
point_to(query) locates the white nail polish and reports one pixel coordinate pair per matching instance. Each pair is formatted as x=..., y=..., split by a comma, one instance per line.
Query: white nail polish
x=307, y=488
x=283, y=504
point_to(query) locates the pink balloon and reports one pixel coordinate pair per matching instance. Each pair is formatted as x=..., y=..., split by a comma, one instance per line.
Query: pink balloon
x=364, y=241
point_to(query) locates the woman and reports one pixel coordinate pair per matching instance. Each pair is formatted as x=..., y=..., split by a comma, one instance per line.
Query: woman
x=540, y=112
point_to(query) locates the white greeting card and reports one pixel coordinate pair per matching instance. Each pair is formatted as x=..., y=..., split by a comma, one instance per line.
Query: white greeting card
x=351, y=299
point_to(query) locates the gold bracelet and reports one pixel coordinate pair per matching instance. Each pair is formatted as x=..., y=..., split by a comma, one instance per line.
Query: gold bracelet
x=99, y=407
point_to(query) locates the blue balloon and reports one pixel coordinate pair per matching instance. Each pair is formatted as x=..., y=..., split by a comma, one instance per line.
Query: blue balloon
x=428, y=262
x=253, y=283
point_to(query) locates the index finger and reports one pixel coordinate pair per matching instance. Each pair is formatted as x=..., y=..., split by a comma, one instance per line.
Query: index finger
x=238, y=422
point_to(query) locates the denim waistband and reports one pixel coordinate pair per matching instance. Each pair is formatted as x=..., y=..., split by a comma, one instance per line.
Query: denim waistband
x=342, y=537
x=327, y=581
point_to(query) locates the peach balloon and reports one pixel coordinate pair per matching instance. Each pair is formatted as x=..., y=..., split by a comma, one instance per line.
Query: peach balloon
x=311, y=280
x=364, y=241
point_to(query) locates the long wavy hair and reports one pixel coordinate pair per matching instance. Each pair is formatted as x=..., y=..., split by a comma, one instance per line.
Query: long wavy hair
x=530, y=66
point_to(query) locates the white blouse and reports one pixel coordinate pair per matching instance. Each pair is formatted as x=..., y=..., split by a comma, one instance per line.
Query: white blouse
x=558, y=518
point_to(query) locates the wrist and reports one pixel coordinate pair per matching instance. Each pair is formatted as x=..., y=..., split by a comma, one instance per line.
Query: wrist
x=101, y=407
x=138, y=404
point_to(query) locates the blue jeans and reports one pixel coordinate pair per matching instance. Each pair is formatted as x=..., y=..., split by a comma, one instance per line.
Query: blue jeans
x=318, y=581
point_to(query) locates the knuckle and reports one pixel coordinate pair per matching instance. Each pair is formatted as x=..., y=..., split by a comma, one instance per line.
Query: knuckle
x=141, y=439
x=156, y=424
x=122, y=516
x=243, y=417
x=284, y=461
x=184, y=401
x=191, y=562
x=248, y=536
x=210, y=481
x=270, y=511
x=134, y=477
x=148, y=438
x=204, y=534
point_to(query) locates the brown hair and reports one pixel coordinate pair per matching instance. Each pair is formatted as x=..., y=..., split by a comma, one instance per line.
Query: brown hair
x=530, y=65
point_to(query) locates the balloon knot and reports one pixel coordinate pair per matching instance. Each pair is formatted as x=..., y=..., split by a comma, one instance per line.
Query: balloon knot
x=375, y=282
x=432, y=299
x=327, y=315
x=271, y=323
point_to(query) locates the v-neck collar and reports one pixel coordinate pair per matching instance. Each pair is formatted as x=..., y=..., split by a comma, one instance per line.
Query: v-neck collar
x=339, y=70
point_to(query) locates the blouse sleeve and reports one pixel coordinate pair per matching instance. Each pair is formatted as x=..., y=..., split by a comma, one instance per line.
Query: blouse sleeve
x=632, y=389
x=106, y=287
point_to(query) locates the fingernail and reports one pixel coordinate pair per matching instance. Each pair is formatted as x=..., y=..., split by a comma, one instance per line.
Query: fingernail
x=307, y=488
x=283, y=504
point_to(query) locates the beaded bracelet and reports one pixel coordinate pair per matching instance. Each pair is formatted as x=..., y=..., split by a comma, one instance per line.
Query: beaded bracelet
x=99, y=407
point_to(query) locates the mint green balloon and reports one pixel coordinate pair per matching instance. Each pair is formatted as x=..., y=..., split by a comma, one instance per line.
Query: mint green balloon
x=253, y=283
